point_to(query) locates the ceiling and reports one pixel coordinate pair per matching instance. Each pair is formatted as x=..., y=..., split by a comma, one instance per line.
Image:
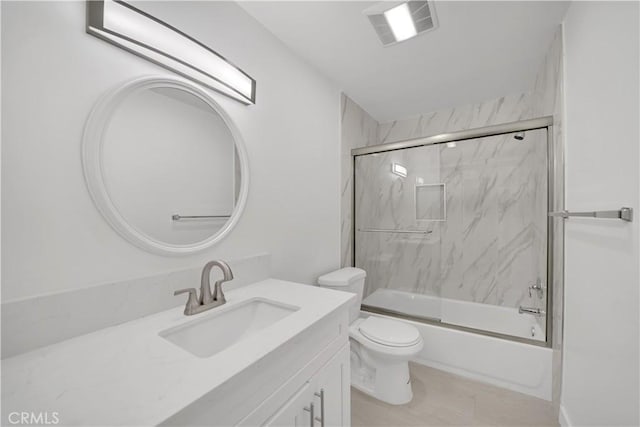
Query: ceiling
x=481, y=50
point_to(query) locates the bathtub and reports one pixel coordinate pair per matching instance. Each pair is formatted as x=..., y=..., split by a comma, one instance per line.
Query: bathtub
x=516, y=366
x=485, y=317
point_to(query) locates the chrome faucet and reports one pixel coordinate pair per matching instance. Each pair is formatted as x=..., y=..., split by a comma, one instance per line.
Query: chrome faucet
x=207, y=301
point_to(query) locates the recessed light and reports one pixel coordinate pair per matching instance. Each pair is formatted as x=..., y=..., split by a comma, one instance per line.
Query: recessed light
x=401, y=20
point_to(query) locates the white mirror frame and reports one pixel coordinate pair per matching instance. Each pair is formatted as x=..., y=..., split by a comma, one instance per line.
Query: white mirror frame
x=92, y=163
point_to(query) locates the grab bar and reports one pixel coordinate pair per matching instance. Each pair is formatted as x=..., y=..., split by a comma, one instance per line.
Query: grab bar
x=398, y=313
x=385, y=230
x=625, y=214
x=176, y=217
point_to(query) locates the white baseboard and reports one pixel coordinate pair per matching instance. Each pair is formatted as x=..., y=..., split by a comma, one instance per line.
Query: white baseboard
x=563, y=418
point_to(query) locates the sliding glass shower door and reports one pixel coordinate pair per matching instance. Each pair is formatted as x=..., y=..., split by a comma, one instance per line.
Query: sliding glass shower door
x=457, y=232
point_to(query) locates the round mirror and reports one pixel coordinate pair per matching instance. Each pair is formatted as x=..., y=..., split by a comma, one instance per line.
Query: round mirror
x=165, y=165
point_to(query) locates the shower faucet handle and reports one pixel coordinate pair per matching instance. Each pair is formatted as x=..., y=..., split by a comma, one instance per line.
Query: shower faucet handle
x=536, y=287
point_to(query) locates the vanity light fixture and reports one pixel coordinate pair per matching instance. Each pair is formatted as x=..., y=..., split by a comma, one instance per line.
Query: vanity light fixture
x=399, y=170
x=148, y=37
x=396, y=21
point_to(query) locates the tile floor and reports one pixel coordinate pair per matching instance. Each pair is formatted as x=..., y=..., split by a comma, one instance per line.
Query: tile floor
x=443, y=399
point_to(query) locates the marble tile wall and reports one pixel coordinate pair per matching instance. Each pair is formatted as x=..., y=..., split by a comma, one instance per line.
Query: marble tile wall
x=505, y=109
x=491, y=245
x=358, y=129
x=384, y=200
x=489, y=275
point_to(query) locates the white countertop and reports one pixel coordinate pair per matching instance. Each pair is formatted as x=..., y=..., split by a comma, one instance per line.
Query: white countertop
x=129, y=375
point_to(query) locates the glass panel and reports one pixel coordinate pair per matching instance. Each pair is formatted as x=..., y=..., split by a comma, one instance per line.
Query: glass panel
x=457, y=232
x=399, y=252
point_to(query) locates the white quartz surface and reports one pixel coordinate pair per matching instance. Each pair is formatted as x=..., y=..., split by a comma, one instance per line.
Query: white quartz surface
x=129, y=375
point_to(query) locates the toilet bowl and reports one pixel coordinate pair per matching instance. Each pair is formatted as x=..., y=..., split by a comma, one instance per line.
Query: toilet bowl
x=380, y=347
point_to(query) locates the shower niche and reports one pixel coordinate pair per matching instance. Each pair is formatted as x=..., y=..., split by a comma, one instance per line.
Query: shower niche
x=431, y=202
x=461, y=237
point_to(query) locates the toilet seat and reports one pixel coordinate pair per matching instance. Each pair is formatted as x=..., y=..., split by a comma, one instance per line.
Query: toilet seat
x=389, y=332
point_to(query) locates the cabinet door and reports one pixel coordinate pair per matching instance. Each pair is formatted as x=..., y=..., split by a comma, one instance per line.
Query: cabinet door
x=332, y=389
x=293, y=412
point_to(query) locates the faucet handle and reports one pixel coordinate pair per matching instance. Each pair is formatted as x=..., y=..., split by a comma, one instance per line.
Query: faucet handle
x=193, y=298
x=218, y=295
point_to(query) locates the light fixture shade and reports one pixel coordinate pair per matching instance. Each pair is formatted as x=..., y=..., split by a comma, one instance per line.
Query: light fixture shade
x=148, y=37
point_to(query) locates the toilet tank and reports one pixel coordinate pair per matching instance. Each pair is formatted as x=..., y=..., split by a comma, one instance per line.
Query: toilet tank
x=349, y=279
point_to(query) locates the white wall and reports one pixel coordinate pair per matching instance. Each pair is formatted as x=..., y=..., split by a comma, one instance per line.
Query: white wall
x=600, y=381
x=53, y=238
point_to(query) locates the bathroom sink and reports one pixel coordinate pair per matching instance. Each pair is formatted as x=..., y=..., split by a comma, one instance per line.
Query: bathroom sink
x=225, y=326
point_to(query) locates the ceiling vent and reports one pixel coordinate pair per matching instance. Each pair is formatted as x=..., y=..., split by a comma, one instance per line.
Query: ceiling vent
x=399, y=21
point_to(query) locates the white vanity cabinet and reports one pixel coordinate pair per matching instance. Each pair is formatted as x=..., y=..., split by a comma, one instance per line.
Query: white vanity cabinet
x=334, y=383
x=296, y=411
x=270, y=366
x=312, y=368
x=321, y=401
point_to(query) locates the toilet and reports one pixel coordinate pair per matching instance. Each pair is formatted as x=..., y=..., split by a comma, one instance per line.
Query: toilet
x=380, y=347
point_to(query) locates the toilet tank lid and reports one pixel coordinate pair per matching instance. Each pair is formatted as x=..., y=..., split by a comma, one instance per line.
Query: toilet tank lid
x=342, y=277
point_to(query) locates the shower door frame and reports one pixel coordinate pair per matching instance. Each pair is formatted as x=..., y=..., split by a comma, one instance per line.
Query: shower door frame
x=553, y=187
